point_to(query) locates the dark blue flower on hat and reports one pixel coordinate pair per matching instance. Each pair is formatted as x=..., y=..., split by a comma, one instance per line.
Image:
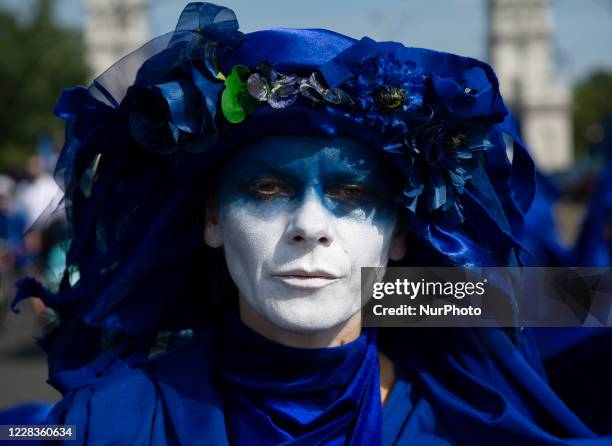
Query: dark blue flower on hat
x=438, y=160
x=470, y=94
x=167, y=116
x=173, y=102
x=387, y=90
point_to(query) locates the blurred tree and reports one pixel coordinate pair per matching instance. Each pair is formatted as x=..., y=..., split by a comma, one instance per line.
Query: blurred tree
x=592, y=111
x=39, y=59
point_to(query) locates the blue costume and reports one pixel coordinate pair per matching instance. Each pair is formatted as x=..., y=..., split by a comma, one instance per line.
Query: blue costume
x=141, y=145
x=594, y=244
x=544, y=247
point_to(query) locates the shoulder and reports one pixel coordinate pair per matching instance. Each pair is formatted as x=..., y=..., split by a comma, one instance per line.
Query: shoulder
x=130, y=404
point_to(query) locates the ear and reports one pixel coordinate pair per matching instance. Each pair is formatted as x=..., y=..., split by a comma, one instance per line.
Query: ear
x=399, y=244
x=213, y=236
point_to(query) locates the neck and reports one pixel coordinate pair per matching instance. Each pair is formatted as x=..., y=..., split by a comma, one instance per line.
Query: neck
x=340, y=334
x=332, y=337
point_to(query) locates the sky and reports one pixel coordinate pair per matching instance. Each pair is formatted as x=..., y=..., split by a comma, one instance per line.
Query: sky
x=582, y=37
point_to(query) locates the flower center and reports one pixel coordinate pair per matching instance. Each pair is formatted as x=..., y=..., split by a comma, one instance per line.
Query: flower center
x=455, y=140
x=388, y=97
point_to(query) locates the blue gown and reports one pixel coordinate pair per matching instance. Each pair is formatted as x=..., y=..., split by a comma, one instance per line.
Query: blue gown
x=173, y=399
x=468, y=396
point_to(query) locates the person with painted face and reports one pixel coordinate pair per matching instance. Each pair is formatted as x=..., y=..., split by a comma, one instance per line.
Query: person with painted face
x=223, y=191
x=297, y=218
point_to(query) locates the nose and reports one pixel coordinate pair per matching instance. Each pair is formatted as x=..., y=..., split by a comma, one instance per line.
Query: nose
x=311, y=223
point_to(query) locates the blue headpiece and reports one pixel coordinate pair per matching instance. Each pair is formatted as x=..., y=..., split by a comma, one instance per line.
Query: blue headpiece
x=140, y=142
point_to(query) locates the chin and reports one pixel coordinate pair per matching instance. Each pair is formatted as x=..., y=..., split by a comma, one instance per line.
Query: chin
x=307, y=315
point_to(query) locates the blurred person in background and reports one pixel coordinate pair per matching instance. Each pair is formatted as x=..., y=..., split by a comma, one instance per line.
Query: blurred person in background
x=12, y=225
x=12, y=248
x=18, y=250
x=36, y=198
x=37, y=190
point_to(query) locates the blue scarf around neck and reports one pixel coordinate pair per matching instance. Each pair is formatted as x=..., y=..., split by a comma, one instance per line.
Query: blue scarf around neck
x=275, y=394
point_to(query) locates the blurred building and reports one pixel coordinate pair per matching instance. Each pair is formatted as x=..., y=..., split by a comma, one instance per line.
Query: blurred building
x=114, y=28
x=522, y=51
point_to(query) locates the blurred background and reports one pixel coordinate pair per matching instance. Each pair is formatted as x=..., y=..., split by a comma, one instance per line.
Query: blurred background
x=553, y=58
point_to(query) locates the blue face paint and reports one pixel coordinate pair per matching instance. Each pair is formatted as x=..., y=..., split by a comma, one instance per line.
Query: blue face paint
x=277, y=175
x=298, y=218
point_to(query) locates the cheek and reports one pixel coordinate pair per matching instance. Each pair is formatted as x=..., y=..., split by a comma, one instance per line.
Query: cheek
x=366, y=241
x=247, y=235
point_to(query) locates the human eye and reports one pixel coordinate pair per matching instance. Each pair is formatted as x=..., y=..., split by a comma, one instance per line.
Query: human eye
x=348, y=192
x=268, y=188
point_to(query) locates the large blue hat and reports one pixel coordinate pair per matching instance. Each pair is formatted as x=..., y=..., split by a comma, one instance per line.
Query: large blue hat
x=143, y=139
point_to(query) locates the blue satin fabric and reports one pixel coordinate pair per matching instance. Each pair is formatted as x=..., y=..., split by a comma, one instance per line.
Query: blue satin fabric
x=274, y=394
x=484, y=389
x=579, y=366
x=455, y=387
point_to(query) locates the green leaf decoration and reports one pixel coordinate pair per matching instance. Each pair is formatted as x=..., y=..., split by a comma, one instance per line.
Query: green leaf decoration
x=236, y=102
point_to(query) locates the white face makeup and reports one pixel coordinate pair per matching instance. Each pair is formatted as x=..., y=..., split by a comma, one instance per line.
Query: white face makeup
x=298, y=218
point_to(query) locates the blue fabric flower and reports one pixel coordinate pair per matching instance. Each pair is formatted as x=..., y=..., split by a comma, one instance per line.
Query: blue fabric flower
x=472, y=94
x=436, y=120
x=438, y=159
x=164, y=117
x=173, y=102
x=387, y=90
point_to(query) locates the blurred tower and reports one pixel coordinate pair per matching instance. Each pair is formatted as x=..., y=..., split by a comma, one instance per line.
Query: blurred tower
x=521, y=50
x=114, y=28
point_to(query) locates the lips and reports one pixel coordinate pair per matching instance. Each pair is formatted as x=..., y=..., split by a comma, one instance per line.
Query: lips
x=306, y=274
x=306, y=279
